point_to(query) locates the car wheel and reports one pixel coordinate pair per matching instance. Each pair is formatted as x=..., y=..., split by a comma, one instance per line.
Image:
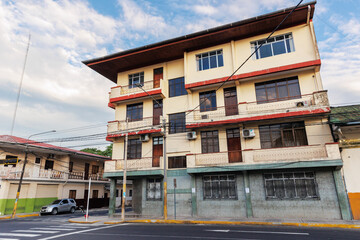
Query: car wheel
x=54, y=211
x=72, y=210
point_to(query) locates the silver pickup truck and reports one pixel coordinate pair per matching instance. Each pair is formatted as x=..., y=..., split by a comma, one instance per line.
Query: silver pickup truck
x=60, y=205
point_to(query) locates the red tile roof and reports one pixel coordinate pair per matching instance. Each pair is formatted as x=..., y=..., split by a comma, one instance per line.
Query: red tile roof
x=14, y=139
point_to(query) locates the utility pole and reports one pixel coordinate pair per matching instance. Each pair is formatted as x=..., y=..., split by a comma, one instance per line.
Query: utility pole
x=165, y=170
x=124, y=177
x=88, y=201
x=23, y=171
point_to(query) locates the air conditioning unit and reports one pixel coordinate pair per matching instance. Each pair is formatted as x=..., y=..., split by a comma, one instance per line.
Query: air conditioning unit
x=191, y=135
x=302, y=104
x=205, y=116
x=248, y=133
x=144, y=138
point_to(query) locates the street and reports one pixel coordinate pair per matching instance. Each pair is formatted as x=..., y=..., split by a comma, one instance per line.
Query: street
x=58, y=227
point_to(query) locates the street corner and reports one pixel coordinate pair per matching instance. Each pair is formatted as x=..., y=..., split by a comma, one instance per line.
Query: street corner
x=115, y=222
x=83, y=222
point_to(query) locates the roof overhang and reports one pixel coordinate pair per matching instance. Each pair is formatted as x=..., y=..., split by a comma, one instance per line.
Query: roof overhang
x=109, y=66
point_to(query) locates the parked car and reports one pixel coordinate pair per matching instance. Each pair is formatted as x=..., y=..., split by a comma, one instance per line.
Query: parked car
x=60, y=205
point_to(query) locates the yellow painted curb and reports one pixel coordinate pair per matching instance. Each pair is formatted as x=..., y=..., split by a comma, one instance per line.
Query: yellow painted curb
x=27, y=215
x=84, y=222
x=1, y=218
x=319, y=225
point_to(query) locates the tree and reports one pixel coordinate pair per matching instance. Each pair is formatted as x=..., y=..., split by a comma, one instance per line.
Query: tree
x=107, y=152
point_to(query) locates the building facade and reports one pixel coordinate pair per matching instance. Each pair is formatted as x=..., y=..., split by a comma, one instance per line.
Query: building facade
x=345, y=121
x=51, y=173
x=251, y=144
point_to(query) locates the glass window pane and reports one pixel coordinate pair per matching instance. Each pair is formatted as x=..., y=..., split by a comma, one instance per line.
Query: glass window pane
x=279, y=48
x=290, y=188
x=271, y=94
x=269, y=188
x=311, y=188
x=220, y=60
x=300, y=188
x=294, y=90
x=283, y=92
x=205, y=63
x=288, y=138
x=261, y=95
x=279, y=188
x=300, y=137
x=213, y=63
x=265, y=51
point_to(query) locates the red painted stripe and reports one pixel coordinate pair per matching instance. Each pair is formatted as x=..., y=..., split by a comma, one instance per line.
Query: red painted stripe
x=256, y=73
x=136, y=95
x=111, y=136
x=110, y=105
x=262, y=117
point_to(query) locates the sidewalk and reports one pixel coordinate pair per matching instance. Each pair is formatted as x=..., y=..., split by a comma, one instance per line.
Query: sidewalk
x=130, y=218
x=20, y=215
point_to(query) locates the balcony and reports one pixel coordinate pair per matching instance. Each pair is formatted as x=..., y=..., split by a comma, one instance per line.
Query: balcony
x=122, y=93
x=42, y=174
x=145, y=163
x=316, y=102
x=263, y=156
x=120, y=126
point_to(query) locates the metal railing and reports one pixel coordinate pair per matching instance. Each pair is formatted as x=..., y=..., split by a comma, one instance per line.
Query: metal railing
x=118, y=126
x=128, y=89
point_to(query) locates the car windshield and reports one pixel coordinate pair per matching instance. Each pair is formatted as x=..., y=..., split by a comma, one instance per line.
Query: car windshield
x=56, y=202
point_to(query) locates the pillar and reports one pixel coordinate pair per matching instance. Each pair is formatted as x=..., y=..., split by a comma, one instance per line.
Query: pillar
x=193, y=196
x=112, y=201
x=248, y=205
x=342, y=196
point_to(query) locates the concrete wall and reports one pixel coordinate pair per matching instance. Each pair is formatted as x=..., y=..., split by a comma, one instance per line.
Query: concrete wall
x=327, y=207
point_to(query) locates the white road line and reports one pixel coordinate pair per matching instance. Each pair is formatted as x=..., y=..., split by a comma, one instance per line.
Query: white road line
x=82, y=231
x=36, y=231
x=243, y=231
x=54, y=229
x=69, y=226
x=9, y=239
x=19, y=235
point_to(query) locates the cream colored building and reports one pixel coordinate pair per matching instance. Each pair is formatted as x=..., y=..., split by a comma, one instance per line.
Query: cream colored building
x=51, y=173
x=255, y=143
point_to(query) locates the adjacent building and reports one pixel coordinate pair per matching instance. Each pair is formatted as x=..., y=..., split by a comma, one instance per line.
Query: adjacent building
x=345, y=121
x=51, y=173
x=251, y=144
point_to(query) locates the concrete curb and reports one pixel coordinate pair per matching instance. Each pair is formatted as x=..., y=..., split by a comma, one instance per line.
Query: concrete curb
x=21, y=216
x=318, y=225
x=83, y=222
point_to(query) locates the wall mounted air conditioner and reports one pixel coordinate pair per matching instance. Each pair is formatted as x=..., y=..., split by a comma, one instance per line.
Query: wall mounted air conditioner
x=191, y=135
x=302, y=104
x=248, y=133
x=144, y=138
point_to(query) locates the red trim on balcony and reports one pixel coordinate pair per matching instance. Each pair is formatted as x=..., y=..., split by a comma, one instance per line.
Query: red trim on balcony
x=110, y=105
x=262, y=117
x=256, y=73
x=112, y=136
x=135, y=95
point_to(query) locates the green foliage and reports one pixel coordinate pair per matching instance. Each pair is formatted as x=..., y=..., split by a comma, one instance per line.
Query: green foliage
x=107, y=152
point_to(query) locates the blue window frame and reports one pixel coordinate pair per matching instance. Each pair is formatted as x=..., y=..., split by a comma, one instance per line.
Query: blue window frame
x=273, y=46
x=177, y=87
x=209, y=60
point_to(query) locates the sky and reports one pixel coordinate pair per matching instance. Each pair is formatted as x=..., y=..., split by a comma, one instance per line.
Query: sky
x=61, y=93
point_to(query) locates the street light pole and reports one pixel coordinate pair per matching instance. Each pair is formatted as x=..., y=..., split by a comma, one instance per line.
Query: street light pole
x=165, y=170
x=124, y=177
x=23, y=171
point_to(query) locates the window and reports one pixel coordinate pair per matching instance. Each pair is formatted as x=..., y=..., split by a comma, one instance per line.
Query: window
x=278, y=90
x=177, y=162
x=283, y=135
x=209, y=142
x=95, y=169
x=136, y=78
x=134, y=112
x=209, y=60
x=290, y=185
x=177, y=87
x=154, y=189
x=117, y=192
x=130, y=193
x=207, y=101
x=72, y=194
x=134, y=149
x=177, y=123
x=95, y=194
x=49, y=164
x=273, y=46
x=71, y=166
x=219, y=187
x=37, y=160
x=65, y=201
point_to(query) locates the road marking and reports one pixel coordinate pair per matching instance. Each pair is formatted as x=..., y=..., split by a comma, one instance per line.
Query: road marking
x=243, y=231
x=69, y=226
x=54, y=229
x=36, y=231
x=19, y=235
x=82, y=231
x=9, y=239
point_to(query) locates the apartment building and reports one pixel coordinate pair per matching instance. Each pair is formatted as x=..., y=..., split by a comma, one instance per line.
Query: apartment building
x=345, y=121
x=51, y=173
x=253, y=144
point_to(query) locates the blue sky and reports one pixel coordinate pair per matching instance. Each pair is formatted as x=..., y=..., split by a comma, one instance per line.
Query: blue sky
x=60, y=93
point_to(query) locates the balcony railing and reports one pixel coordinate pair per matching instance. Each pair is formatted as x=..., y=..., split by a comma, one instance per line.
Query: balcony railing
x=34, y=173
x=129, y=89
x=119, y=126
x=286, y=154
x=252, y=109
x=145, y=163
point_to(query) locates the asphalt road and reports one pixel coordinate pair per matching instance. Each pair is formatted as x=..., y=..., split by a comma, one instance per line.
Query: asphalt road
x=57, y=227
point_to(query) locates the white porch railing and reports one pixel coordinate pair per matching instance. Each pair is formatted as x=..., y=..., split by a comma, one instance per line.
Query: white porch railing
x=118, y=126
x=137, y=164
x=129, y=89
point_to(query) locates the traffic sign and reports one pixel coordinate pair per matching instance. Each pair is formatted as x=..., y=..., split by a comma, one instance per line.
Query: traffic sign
x=10, y=161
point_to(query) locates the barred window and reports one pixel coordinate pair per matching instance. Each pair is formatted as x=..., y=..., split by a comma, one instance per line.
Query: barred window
x=209, y=60
x=290, y=185
x=153, y=189
x=134, y=149
x=273, y=46
x=134, y=112
x=177, y=123
x=135, y=79
x=177, y=162
x=209, y=141
x=219, y=187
